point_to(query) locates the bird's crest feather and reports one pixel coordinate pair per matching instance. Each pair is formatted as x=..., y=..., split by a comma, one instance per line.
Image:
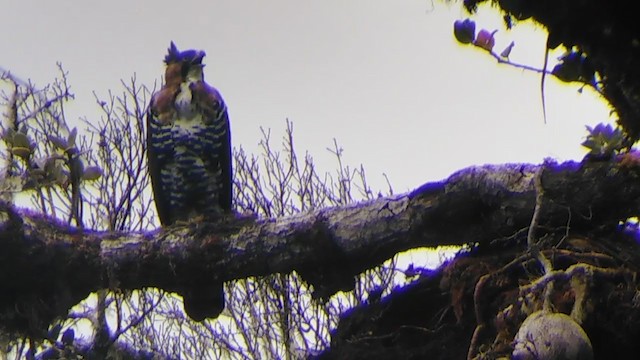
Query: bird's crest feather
x=189, y=56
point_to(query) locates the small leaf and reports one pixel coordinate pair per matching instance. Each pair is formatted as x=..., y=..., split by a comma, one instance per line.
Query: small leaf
x=589, y=144
x=464, y=31
x=485, y=39
x=566, y=72
x=92, y=173
x=71, y=140
x=59, y=142
x=8, y=136
x=54, y=332
x=21, y=140
x=507, y=51
x=68, y=337
x=22, y=152
x=574, y=66
x=604, y=140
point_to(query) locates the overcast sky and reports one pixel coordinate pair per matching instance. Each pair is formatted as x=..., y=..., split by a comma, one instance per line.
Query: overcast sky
x=385, y=78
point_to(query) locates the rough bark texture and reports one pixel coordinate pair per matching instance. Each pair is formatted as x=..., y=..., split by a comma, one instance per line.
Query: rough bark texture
x=473, y=306
x=46, y=267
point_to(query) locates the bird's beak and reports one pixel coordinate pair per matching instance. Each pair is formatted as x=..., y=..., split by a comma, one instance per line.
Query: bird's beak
x=197, y=60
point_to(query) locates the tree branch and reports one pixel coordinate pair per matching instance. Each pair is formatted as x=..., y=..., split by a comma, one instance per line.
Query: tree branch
x=46, y=267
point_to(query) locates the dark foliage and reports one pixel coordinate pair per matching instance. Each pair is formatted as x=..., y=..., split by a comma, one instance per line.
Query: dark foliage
x=606, y=32
x=434, y=318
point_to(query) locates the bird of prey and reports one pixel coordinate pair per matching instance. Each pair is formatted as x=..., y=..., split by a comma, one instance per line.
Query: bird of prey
x=189, y=154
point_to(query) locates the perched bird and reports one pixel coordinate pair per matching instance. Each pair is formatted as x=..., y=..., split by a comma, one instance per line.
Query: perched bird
x=189, y=154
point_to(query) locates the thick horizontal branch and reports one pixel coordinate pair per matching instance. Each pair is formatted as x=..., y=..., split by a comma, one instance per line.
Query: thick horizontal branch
x=47, y=267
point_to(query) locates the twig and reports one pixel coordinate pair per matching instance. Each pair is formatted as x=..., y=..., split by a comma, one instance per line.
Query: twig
x=544, y=73
x=520, y=66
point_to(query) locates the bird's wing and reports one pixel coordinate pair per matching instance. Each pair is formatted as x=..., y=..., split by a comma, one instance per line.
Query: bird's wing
x=214, y=111
x=159, y=149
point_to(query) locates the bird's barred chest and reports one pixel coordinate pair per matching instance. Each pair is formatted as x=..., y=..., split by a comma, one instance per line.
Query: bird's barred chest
x=189, y=133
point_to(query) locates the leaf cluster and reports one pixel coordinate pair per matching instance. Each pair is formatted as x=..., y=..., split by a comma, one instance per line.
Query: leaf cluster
x=604, y=141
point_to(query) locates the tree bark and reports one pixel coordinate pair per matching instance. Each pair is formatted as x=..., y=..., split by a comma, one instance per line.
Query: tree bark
x=46, y=267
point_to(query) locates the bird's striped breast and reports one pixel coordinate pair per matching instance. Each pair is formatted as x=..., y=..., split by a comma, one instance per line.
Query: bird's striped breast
x=189, y=148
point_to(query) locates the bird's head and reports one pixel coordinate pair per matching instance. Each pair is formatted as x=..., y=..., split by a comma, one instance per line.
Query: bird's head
x=189, y=57
x=190, y=61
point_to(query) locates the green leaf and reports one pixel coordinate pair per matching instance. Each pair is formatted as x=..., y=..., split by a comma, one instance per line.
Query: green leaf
x=59, y=142
x=604, y=140
x=23, y=152
x=21, y=140
x=92, y=173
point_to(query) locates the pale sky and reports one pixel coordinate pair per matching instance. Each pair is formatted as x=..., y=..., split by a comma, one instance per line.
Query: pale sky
x=385, y=78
